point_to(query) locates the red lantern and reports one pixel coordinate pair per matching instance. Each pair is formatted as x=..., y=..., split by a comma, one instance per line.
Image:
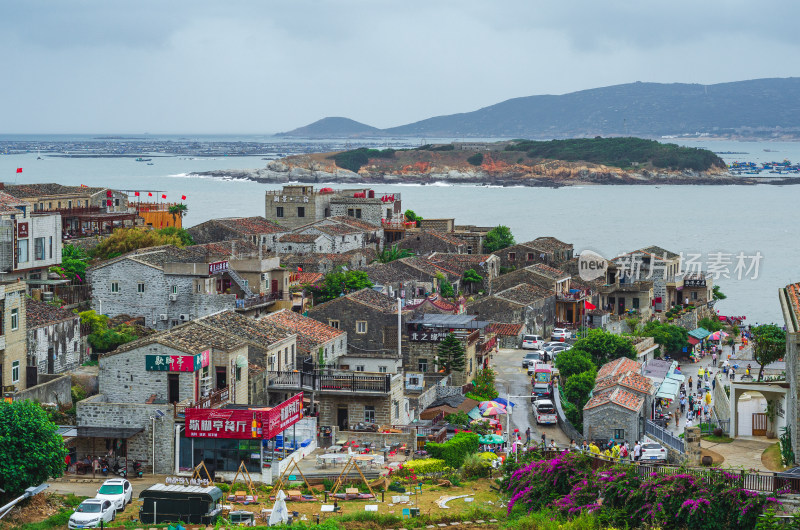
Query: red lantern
x=163, y=195
x=136, y=193
x=183, y=197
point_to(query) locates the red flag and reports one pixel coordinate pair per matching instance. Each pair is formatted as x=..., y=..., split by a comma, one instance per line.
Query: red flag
x=19, y=170
x=136, y=193
x=589, y=305
x=183, y=197
x=149, y=193
x=163, y=195
x=299, y=269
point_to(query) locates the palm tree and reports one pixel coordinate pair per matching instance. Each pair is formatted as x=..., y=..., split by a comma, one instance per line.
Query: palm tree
x=392, y=253
x=178, y=209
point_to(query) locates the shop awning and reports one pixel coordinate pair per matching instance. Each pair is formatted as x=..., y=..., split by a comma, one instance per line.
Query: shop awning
x=475, y=414
x=680, y=378
x=108, y=432
x=699, y=333
x=668, y=389
x=693, y=341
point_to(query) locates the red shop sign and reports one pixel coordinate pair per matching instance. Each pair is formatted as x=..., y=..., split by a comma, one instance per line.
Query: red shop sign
x=220, y=423
x=22, y=229
x=283, y=416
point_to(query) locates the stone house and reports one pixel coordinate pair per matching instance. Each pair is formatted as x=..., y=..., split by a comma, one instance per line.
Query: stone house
x=548, y=250
x=473, y=236
x=30, y=242
x=531, y=305
x=54, y=341
x=508, y=335
x=434, y=303
x=343, y=234
x=13, y=336
x=317, y=341
x=256, y=230
x=426, y=242
x=304, y=244
x=325, y=263
x=146, y=384
x=400, y=281
x=168, y=286
x=347, y=409
x=486, y=266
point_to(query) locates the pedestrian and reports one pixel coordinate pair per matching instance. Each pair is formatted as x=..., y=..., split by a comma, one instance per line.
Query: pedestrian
x=689, y=422
x=637, y=451
x=676, y=419
x=615, y=452
x=714, y=383
x=690, y=383
x=553, y=444
x=527, y=436
x=683, y=404
x=544, y=441
x=573, y=446
x=714, y=358
x=732, y=374
x=623, y=452
x=705, y=374
x=584, y=447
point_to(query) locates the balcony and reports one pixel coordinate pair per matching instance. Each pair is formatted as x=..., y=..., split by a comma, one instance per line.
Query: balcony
x=571, y=297
x=330, y=383
x=261, y=299
x=214, y=400
x=397, y=224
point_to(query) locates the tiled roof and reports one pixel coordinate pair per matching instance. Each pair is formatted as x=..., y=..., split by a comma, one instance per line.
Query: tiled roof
x=261, y=332
x=335, y=229
x=442, y=236
x=617, y=366
x=660, y=252
x=250, y=226
x=524, y=293
x=310, y=278
x=155, y=256
x=616, y=396
x=9, y=203
x=25, y=191
x=41, y=314
x=374, y=299
x=436, y=301
x=299, y=238
x=505, y=330
x=384, y=273
x=636, y=382
x=425, y=266
x=793, y=294
x=550, y=243
x=550, y=272
x=213, y=251
x=458, y=264
x=310, y=333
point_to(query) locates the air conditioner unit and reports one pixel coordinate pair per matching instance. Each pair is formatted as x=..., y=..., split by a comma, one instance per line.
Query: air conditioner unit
x=184, y=317
x=173, y=297
x=163, y=317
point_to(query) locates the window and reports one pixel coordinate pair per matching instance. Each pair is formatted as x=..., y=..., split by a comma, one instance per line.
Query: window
x=369, y=414
x=238, y=373
x=301, y=211
x=51, y=247
x=69, y=204
x=286, y=356
x=694, y=295
x=361, y=326
x=140, y=287
x=279, y=211
x=14, y=319
x=38, y=248
x=469, y=250
x=174, y=289
x=619, y=434
x=22, y=250
x=396, y=409
x=114, y=287
x=530, y=256
x=358, y=213
x=512, y=256
x=382, y=369
x=635, y=302
x=15, y=372
x=351, y=212
x=422, y=365
x=199, y=288
x=359, y=368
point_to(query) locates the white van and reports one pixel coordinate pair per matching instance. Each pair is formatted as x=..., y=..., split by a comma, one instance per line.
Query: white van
x=532, y=342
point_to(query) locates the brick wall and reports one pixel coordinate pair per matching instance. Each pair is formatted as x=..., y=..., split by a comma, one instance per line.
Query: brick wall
x=64, y=338
x=422, y=243
x=12, y=301
x=347, y=313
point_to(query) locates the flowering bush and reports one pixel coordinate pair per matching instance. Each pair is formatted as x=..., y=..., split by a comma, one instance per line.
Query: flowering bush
x=567, y=484
x=424, y=466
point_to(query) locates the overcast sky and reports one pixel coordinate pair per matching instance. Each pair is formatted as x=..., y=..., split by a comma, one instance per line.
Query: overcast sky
x=265, y=66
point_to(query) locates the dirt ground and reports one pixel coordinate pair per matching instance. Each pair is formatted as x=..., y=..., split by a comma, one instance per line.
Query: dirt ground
x=33, y=510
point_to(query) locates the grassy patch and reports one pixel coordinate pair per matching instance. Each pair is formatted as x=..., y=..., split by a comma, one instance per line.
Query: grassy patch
x=58, y=520
x=771, y=458
x=716, y=439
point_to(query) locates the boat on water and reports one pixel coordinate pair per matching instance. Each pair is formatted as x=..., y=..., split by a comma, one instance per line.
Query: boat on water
x=140, y=159
x=149, y=163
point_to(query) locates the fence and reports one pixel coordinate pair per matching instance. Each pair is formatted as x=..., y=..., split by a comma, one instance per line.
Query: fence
x=73, y=293
x=563, y=422
x=663, y=436
x=760, y=482
x=708, y=426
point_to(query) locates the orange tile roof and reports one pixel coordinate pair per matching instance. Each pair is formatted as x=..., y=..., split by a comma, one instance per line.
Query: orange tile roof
x=310, y=333
x=793, y=292
x=617, y=366
x=308, y=277
x=436, y=301
x=617, y=396
x=636, y=382
x=506, y=330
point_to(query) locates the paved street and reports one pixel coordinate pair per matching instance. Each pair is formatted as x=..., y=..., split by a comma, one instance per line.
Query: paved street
x=86, y=487
x=512, y=379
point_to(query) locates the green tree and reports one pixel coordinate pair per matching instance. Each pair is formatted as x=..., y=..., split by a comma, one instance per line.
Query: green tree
x=451, y=354
x=445, y=288
x=182, y=234
x=498, y=238
x=129, y=239
x=577, y=388
x=458, y=418
x=471, y=278
x=104, y=338
x=476, y=159
x=602, y=346
x=573, y=362
x=769, y=345
x=73, y=264
x=338, y=282
x=413, y=217
x=178, y=210
x=392, y=253
x=673, y=339
x=483, y=385
x=711, y=324
x=717, y=294
x=31, y=450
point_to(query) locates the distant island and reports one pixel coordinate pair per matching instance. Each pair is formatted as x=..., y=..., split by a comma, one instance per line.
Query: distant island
x=759, y=109
x=552, y=163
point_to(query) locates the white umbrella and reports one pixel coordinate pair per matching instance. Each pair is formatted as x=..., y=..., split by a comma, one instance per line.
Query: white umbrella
x=280, y=514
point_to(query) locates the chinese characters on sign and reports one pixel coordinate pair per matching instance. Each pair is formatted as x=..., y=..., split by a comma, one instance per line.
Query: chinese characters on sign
x=22, y=230
x=223, y=423
x=217, y=266
x=637, y=266
x=284, y=415
x=428, y=336
x=177, y=363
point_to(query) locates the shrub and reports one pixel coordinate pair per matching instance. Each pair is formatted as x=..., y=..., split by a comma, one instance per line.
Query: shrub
x=425, y=466
x=476, y=467
x=78, y=393
x=454, y=450
x=397, y=487
x=476, y=159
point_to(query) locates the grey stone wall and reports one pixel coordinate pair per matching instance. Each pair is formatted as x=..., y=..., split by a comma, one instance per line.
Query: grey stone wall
x=123, y=378
x=414, y=351
x=51, y=389
x=348, y=313
x=98, y=411
x=563, y=422
x=64, y=338
x=372, y=210
x=722, y=404
x=599, y=423
x=154, y=301
x=423, y=243
x=444, y=391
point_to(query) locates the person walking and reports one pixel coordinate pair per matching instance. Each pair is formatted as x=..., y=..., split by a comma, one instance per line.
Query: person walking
x=528, y=436
x=544, y=441
x=713, y=383
x=637, y=451
x=683, y=404
x=732, y=374
x=714, y=359
x=690, y=383
x=676, y=419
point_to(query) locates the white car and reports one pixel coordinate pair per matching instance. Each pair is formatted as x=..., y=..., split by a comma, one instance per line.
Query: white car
x=90, y=512
x=560, y=334
x=531, y=357
x=117, y=490
x=545, y=412
x=532, y=342
x=653, y=452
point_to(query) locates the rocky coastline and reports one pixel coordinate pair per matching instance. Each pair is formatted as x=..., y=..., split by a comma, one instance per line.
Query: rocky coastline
x=553, y=176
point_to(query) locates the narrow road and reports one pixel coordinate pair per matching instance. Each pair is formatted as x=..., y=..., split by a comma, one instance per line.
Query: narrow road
x=512, y=380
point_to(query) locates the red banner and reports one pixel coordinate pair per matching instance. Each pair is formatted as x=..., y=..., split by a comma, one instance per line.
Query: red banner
x=283, y=416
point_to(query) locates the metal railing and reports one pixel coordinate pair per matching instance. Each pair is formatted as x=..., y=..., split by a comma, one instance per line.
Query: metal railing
x=331, y=382
x=663, y=436
x=214, y=399
x=708, y=426
x=250, y=301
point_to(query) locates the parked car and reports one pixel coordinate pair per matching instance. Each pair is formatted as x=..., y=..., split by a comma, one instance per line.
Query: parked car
x=542, y=390
x=544, y=411
x=90, y=512
x=532, y=342
x=531, y=356
x=653, y=452
x=560, y=334
x=535, y=365
x=116, y=490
